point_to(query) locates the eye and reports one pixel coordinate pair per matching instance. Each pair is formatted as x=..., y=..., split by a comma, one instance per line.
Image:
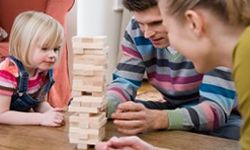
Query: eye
x=156, y=23
x=57, y=49
x=44, y=48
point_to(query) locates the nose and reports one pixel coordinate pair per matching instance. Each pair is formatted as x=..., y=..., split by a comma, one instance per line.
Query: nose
x=148, y=33
x=52, y=55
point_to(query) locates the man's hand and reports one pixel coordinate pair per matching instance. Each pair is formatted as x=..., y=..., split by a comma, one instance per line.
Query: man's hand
x=132, y=118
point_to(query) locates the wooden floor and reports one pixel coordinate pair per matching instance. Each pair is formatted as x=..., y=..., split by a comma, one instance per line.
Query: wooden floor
x=148, y=92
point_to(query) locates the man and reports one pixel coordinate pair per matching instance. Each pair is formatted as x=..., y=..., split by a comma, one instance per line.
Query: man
x=146, y=49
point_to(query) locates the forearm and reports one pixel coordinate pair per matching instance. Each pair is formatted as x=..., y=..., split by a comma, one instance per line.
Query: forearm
x=111, y=106
x=159, y=148
x=206, y=116
x=43, y=107
x=160, y=120
x=20, y=118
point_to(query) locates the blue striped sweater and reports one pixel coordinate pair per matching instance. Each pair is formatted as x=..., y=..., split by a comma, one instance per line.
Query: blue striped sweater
x=176, y=79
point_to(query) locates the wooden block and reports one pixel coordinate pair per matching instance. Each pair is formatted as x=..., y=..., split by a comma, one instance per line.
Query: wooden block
x=95, y=42
x=90, y=59
x=78, y=51
x=89, y=39
x=89, y=80
x=87, y=88
x=103, y=51
x=94, y=137
x=87, y=109
x=74, y=137
x=96, y=125
x=76, y=93
x=75, y=103
x=82, y=146
x=88, y=70
x=97, y=94
x=89, y=99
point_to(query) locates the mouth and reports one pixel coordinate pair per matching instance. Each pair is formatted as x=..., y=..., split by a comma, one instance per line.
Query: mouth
x=157, y=40
x=50, y=62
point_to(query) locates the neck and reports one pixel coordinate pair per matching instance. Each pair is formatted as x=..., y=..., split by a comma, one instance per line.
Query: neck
x=224, y=43
x=31, y=71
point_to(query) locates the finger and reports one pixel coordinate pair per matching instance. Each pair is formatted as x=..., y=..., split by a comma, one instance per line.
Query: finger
x=139, y=115
x=127, y=131
x=59, y=116
x=129, y=124
x=58, y=121
x=101, y=146
x=130, y=106
x=53, y=124
x=125, y=141
x=59, y=109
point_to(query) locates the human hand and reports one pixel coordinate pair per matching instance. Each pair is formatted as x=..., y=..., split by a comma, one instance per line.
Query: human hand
x=124, y=143
x=132, y=118
x=53, y=117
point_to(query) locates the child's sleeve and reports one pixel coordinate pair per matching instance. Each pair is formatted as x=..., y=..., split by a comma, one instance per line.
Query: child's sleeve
x=8, y=77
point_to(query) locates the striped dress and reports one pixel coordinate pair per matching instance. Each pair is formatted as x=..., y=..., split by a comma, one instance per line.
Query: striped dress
x=9, y=79
x=174, y=77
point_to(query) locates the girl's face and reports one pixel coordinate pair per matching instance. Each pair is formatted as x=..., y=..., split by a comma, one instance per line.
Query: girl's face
x=184, y=38
x=44, y=58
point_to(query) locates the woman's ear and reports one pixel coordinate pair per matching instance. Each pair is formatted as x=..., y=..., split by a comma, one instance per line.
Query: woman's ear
x=194, y=21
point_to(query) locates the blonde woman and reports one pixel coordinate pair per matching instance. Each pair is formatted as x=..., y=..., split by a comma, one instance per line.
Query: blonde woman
x=211, y=33
x=26, y=75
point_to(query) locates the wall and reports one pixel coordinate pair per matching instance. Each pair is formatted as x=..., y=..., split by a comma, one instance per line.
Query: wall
x=101, y=17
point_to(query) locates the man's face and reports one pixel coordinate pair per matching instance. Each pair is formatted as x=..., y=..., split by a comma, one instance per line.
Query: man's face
x=150, y=23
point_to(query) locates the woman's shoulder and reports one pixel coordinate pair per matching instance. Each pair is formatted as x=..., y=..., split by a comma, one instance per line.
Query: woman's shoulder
x=7, y=65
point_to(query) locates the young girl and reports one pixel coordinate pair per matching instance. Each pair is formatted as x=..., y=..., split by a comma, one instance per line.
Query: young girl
x=211, y=33
x=26, y=75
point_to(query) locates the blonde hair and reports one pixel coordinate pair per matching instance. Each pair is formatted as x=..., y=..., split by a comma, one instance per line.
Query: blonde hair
x=235, y=12
x=32, y=29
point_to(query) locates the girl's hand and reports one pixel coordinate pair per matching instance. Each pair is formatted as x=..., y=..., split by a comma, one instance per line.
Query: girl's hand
x=53, y=117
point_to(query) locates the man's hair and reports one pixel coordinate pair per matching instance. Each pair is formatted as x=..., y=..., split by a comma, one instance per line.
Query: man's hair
x=139, y=5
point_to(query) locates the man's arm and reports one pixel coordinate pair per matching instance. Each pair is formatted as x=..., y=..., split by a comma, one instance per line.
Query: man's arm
x=218, y=99
x=128, y=75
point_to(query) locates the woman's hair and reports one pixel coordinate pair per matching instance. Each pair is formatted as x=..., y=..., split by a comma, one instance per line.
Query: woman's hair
x=32, y=29
x=139, y=5
x=235, y=12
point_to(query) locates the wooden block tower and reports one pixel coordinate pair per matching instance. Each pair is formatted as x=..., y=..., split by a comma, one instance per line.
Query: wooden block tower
x=88, y=105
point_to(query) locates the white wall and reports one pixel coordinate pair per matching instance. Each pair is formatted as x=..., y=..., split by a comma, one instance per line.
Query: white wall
x=98, y=17
x=71, y=31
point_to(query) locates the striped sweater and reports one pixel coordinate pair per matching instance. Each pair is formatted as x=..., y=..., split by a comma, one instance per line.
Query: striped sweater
x=174, y=77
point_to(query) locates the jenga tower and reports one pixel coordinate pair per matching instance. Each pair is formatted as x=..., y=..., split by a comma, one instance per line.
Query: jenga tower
x=88, y=104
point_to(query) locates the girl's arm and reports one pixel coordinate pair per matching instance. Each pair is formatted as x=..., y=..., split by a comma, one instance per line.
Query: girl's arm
x=7, y=116
x=14, y=117
x=43, y=107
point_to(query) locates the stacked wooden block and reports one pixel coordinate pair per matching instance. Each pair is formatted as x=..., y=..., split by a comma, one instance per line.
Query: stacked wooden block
x=88, y=104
